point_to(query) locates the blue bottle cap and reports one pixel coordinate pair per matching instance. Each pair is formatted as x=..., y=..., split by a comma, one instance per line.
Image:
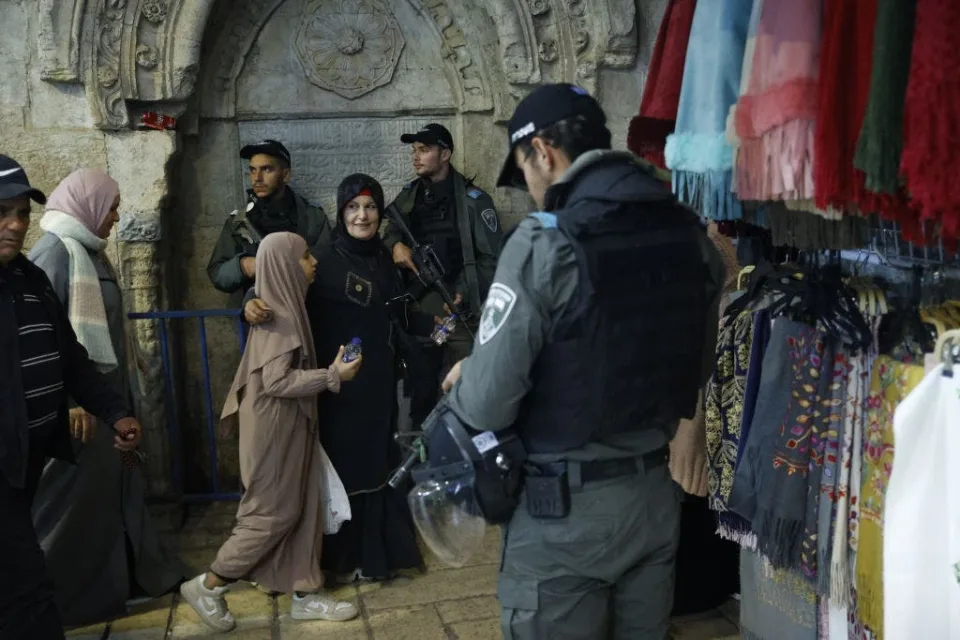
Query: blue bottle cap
x=356, y=341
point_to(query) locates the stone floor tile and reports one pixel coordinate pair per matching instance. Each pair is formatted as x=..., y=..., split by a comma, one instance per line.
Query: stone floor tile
x=468, y=609
x=436, y=586
x=149, y=615
x=488, y=629
x=198, y=560
x=190, y=539
x=251, y=608
x=488, y=553
x=93, y=631
x=706, y=628
x=407, y=623
x=156, y=633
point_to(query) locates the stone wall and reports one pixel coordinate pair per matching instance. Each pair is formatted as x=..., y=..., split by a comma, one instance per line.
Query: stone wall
x=338, y=80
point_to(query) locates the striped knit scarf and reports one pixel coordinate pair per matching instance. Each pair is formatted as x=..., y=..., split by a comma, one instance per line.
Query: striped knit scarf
x=85, y=307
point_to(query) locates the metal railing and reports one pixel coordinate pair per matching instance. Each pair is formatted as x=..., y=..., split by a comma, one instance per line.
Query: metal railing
x=170, y=396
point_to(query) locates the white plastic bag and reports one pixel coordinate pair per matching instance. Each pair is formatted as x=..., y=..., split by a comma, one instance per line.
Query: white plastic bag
x=333, y=496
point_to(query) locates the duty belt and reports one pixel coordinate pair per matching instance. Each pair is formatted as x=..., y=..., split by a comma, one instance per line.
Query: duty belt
x=595, y=470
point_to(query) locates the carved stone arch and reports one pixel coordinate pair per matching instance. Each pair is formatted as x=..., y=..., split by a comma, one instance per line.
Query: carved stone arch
x=516, y=39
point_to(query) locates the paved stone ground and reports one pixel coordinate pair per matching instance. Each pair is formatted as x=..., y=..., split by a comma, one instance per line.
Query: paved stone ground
x=441, y=604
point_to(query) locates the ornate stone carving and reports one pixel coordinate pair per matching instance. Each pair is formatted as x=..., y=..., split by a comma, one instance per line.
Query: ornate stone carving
x=518, y=44
x=154, y=10
x=146, y=57
x=581, y=40
x=58, y=41
x=548, y=51
x=350, y=47
x=112, y=113
x=456, y=49
x=622, y=46
x=539, y=7
x=575, y=8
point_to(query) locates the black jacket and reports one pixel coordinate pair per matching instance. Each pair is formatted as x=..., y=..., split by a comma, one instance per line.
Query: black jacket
x=82, y=381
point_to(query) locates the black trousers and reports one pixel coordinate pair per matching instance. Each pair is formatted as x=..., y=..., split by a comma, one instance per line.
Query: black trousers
x=27, y=608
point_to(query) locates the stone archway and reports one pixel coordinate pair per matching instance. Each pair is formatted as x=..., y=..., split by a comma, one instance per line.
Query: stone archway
x=199, y=60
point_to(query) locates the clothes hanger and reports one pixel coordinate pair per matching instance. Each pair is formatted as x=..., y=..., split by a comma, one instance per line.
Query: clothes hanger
x=948, y=349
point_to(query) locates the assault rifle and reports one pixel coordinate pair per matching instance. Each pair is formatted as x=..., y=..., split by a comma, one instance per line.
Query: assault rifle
x=430, y=268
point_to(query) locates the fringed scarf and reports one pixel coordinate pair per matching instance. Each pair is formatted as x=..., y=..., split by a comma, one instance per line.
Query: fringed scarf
x=890, y=382
x=648, y=131
x=698, y=153
x=776, y=115
x=931, y=123
x=846, y=59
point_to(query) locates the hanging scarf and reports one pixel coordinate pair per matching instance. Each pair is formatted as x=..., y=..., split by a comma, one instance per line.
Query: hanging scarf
x=890, y=382
x=776, y=115
x=782, y=461
x=698, y=153
x=723, y=409
x=844, y=83
x=931, y=123
x=829, y=480
x=648, y=131
x=85, y=307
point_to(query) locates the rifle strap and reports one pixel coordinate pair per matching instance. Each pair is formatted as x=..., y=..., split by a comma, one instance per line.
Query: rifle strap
x=467, y=215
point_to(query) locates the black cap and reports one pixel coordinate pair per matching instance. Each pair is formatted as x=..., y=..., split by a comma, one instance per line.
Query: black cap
x=14, y=183
x=269, y=147
x=433, y=134
x=541, y=108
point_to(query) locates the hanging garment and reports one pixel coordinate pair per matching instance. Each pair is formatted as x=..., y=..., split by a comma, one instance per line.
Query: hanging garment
x=921, y=555
x=890, y=383
x=698, y=153
x=844, y=83
x=775, y=116
x=931, y=122
x=775, y=603
x=648, y=131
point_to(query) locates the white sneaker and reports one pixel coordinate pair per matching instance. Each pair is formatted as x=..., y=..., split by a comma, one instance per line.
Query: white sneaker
x=209, y=604
x=320, y=606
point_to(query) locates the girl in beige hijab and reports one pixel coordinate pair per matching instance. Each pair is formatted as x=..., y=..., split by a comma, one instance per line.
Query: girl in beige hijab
x=276, y=541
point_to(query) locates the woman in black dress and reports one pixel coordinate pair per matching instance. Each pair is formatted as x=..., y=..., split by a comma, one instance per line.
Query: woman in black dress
x=358, y=294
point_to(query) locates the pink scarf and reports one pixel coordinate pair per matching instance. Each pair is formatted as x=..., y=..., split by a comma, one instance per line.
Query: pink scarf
x=775, y=116
x=87, y=195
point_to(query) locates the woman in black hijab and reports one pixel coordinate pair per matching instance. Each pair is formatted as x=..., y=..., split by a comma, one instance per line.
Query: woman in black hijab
x=358, y=294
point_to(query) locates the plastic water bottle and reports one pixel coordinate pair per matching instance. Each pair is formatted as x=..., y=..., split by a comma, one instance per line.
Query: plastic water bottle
x=353, y=350
x=443, y=330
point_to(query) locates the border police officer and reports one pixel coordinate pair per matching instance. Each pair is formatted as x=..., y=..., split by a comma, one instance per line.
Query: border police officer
x=445, y=210
x=271, y=206
x=596, y=335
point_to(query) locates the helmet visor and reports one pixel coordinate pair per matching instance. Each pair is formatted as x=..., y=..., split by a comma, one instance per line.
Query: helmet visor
x=448, y=518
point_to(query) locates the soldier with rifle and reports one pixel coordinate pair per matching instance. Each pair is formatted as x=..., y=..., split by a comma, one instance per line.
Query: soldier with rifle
x=448, y=245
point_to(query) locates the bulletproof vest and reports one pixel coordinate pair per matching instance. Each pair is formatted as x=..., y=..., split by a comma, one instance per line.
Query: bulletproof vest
x=434, y=222
x=628, y=357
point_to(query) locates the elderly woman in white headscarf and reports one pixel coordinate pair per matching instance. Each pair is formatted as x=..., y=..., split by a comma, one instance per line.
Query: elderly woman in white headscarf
x=91, y=520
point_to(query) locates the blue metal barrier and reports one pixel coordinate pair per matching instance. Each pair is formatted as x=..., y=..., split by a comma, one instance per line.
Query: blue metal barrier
x=170, y=396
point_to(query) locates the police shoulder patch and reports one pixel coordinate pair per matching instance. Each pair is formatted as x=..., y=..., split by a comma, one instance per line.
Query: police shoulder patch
x=489, y=217
x=500, y=302
x=474, y=193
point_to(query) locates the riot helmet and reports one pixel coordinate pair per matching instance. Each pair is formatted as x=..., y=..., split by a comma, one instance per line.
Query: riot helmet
x=470, y=478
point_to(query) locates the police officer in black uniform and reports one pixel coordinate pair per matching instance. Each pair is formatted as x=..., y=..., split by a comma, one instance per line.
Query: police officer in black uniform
x=597, y=333
x=271, y=206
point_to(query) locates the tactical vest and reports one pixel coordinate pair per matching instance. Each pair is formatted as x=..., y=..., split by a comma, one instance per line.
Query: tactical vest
x=435, y=222
x=629, y=355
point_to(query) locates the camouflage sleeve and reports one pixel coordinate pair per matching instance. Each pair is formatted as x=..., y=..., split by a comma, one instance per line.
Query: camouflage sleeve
x=224, y=267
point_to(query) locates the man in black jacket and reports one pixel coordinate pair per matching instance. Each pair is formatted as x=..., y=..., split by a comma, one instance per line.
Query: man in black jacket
x=42, y=365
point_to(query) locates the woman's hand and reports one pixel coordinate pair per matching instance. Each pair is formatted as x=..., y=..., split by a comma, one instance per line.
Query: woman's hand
x=451, y=378
x=128, y=434
x=347, y=370
x=82, y=425
x=256, y=312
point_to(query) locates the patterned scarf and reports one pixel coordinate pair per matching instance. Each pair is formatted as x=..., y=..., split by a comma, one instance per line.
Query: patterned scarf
x=890, y=383
x=723, y=411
